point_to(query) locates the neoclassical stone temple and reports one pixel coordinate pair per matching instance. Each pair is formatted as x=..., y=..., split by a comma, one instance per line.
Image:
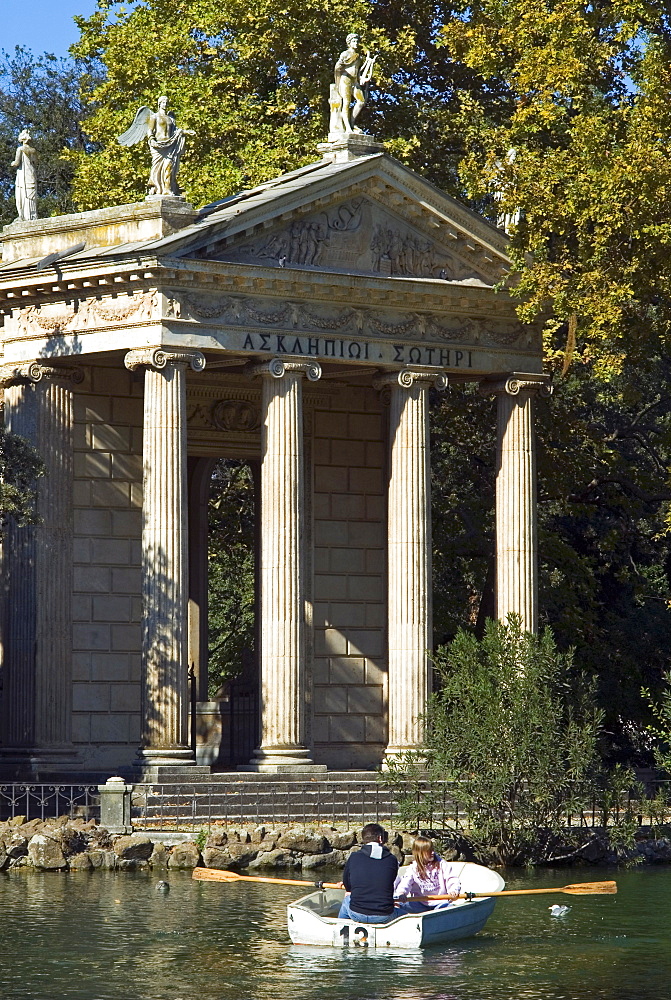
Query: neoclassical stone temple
x=299, y=326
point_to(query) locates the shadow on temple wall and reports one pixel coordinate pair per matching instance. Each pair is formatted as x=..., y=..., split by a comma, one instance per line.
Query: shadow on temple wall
x=60, y=345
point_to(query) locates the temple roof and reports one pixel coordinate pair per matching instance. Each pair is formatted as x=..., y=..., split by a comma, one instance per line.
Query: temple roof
x=405, y=226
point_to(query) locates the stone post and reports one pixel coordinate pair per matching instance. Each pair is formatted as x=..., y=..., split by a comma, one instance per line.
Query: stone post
x=115, y=806
x=409, y=555
x=516, y=527
x=283, y=742
x=37, y=701
x=165, y=564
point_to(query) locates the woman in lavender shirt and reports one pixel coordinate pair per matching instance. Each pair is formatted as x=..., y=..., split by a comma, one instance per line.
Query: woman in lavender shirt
x=428, y=875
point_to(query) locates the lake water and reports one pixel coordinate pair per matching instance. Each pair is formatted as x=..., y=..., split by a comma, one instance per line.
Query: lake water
x=112, y=936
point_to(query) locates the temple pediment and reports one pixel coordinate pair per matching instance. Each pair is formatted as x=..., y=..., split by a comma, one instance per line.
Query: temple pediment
x=354, y=234
x=371, y=216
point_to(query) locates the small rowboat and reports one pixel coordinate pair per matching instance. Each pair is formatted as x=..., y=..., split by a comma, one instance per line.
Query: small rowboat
x=313, y=919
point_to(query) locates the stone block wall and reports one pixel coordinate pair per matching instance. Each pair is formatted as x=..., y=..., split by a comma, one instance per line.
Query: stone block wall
x=107, y=558
x=349, y=579
x=348, y=585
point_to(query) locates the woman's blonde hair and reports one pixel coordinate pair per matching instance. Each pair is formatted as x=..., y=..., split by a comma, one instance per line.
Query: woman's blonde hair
x=423, y=854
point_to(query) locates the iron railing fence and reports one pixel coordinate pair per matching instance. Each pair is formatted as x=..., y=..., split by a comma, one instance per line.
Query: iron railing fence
x=176, y=806
x=172, y=806
x=354, y=803
x=48, y=801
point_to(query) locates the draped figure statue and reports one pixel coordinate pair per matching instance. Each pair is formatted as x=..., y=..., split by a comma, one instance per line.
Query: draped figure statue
x=166, y=143
x=26, y=179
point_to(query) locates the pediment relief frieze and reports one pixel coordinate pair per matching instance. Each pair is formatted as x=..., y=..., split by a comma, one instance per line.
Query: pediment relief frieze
x=360, y=234
x=302, y=320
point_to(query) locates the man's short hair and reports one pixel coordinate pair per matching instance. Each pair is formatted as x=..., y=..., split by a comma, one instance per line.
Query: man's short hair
x=373, y=831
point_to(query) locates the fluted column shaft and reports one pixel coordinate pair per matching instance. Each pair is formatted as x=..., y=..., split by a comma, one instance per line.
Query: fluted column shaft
x=165, y=564
x=38, y=574
x=516, y=516
x=409, y=558
x=283, y=645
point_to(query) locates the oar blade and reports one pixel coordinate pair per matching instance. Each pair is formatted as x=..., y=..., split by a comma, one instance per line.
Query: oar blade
x=585, y=888
x=214, y=875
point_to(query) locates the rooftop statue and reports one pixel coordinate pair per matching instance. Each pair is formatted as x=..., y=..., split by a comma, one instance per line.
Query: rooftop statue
x=353, y=73
x=166, y=143
x=26, y=179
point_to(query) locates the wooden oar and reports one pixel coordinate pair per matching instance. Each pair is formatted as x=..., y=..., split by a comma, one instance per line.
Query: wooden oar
x=221, y=875
x=578, y=889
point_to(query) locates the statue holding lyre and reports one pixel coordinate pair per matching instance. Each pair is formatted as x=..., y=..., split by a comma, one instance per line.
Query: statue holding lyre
x=166, y=143
x=353, y=73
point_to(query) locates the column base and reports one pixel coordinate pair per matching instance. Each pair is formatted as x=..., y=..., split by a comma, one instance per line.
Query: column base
x=398, y=756
x=162, y=774
x=165, y=757
x=282, y=760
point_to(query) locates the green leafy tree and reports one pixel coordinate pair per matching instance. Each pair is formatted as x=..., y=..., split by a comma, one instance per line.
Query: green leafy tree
x=20, y=467
x=515, y=727
x=253, y=83
x=603, y=453
x=41, y=93
x=585, y=108
x=231, y=636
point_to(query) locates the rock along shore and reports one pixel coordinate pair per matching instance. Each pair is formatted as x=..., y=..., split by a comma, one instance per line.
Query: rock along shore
x=66, y=844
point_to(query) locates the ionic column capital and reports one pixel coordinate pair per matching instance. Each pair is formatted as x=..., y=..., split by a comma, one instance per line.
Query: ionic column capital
x=160, y=358
x=33, y=372
x=279, y=367
x=406, y=378
x=514, y=383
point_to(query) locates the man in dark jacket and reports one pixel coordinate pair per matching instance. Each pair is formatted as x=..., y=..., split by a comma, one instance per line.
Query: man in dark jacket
x=369, y=878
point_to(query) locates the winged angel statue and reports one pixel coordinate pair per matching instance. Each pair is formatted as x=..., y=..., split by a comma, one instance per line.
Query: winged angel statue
x=166, y=143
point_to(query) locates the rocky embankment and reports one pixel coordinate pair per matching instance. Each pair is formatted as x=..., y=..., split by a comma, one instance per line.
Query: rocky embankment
x=69, y=844
x=66, y=844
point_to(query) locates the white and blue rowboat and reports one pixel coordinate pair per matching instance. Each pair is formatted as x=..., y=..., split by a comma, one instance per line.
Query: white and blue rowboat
x=313, y=919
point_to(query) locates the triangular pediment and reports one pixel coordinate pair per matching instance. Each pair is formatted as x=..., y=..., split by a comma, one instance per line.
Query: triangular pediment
x=353, y=234
x=371, y=216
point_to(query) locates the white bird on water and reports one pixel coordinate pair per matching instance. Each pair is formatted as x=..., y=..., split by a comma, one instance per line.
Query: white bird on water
x=559, y=910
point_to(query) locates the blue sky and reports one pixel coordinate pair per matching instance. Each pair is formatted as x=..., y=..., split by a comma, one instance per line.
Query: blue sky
x=41, y=25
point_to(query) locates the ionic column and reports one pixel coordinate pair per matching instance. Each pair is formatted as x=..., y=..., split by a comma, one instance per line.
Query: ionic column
x=516, y=526
x=165, y=565
x=409, y=555
x=283, y=743
x=37, y=697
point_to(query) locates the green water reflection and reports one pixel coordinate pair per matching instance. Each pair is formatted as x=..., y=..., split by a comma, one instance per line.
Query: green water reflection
x=106, y=936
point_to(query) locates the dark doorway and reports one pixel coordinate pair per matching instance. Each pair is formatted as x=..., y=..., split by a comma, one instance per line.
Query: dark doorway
x=224, y=602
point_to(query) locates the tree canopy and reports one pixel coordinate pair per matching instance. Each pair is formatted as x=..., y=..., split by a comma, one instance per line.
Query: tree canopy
x=589, y=119
x=254, y=82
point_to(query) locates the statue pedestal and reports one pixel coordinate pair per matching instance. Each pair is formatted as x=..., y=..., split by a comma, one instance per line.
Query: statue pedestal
x=144, y=220
x=344, y=146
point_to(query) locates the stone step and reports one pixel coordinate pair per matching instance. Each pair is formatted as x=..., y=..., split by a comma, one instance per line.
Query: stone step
x=200, y=776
